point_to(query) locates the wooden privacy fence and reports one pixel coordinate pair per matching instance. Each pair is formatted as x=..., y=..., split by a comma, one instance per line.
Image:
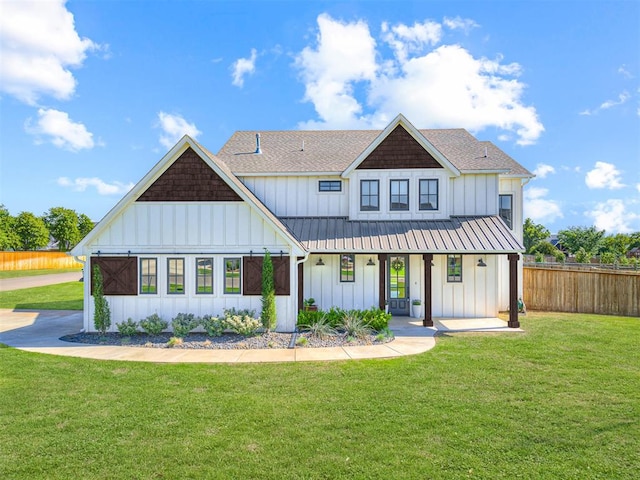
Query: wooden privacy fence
x=36, y=261
x=594, y=291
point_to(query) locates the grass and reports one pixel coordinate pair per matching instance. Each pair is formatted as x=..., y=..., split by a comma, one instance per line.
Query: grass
x=61, y=296
x=31, y=273
x=560, y=401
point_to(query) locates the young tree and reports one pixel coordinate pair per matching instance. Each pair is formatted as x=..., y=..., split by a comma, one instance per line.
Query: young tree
x=85, y=225
x=101, y=311
x=63, y=225
x=587, y=238
x=8, y=238
x=268, y=315
x=31, y=231
x=616, y=245
x=533, y=234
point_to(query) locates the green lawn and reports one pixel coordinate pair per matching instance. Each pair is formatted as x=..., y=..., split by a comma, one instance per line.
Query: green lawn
x=61, y=296
x=560, y=401
x=31, y=273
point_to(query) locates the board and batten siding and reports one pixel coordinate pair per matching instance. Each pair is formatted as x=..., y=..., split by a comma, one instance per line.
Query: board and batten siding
x=299, y=196
x=189, y=230
x=475, y=194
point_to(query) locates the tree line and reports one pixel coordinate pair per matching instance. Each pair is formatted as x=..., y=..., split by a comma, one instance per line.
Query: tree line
x=584, y=243
x=27, y=231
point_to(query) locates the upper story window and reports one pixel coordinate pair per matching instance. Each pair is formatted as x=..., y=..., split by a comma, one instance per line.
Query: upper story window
x=505, y=209
x=175, y=275
x=369, y=195
x=148, y=275
x=347, y=267
x=428, y=194
x=330, y=186
x=204, y=275
x=399, y=195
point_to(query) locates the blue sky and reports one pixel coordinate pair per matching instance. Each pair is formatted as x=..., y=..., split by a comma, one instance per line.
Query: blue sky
x=94, y=93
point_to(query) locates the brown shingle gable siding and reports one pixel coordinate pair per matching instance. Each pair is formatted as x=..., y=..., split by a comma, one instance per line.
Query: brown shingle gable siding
x=399, y=150
x=189, y=179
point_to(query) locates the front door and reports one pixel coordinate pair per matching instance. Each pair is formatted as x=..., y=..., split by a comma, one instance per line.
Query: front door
x=398, y=288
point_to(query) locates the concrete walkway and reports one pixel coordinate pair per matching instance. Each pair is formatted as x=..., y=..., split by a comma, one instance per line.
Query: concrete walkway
x=40, y=331
x=18, y=283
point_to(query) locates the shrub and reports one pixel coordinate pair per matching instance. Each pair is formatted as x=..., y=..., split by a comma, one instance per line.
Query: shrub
x=384, y=334
x=243, y=325
x=335, y=316
x=353, y=326
x=153, y=324
x=244, y=312
x=302, y=341
x=183, y=323
x=376, y=319
x=174, y=341
x=320, y=327
x=101, y=312
x=214, y=326
x=307, y=317
x=268, y=314
x=128, y=328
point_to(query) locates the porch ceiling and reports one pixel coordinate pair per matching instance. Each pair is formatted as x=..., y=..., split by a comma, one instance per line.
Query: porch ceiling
x=477, y=234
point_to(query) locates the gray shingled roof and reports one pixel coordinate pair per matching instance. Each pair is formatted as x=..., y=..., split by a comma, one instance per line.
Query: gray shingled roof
x=332, y=151
x=480, y=234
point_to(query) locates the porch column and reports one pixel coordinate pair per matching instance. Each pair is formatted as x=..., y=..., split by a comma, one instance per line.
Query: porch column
x=382, y=287
x=513, y=290
x=428, y=314
x=300, y=285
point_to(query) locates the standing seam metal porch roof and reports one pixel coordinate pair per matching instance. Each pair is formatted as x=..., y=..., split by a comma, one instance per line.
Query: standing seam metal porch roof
x=463, y=234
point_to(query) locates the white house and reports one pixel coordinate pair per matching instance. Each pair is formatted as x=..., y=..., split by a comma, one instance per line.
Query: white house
x=353, y=218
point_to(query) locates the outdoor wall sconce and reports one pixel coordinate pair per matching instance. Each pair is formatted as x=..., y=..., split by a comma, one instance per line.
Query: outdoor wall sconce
x=371, y=263
x=320, y=263
x=481, y=263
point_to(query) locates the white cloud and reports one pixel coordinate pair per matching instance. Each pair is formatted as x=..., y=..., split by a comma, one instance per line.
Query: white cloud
x=63, y=132
x=624, y=72
x=613, y=217
x=604, y=175
x=542, y=170
x=102, y=187
x=39, y=45
x=243, y=67
x=459, y=23
x=405, y=40
x=174, y=127
x=538, y=208
x=622, y=98
x=442, y=86
x=638, y=187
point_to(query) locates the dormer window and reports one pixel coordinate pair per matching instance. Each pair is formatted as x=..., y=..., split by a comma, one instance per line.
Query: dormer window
x=369, y=195
x=429, y=194
x=399, y=195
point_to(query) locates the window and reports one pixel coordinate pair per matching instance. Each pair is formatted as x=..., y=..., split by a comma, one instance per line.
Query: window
x=148, y=275
x=399, y=195
x=204, y=275
x=232, y=275
x=454, y=268
x=330, y=186
x=505, y=209
x=175, y=275
x=347, y=266
x=369, y=195
x=429, y=194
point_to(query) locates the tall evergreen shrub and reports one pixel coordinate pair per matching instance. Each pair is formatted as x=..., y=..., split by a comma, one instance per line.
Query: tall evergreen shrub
x=268, y=315
x=101, y=312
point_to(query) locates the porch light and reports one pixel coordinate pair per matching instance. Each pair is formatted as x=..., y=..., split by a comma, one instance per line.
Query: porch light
x=481, y=263
x=320, y=263
x=371, y=263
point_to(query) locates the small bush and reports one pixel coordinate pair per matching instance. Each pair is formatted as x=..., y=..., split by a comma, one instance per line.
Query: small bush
x=174, y=341
x=243, y=312
x=128, y=328
x=183, y=323
x=384, y=334
x=153, y=324
x=353, y=325
x=308, y=317
x=302, y=341
x=214, y=326
x=243, y=325
x=335, y=316
x=320, y=328
x=376, y=319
